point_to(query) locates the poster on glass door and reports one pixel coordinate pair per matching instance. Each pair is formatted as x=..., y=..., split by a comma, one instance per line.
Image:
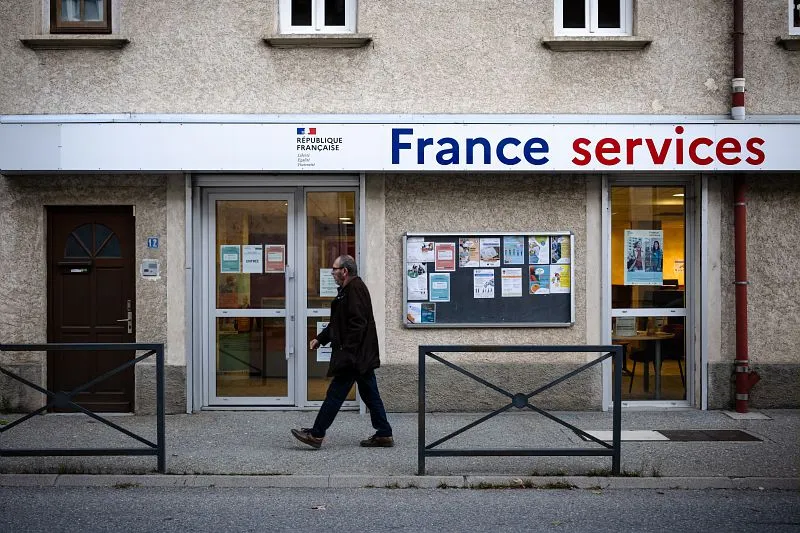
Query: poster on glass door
x=644, y=257
x=275, y=255
x=229, y=259
x=252, y=260
x=323, y=352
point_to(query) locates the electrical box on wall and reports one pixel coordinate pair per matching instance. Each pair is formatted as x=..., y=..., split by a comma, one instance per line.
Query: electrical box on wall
x=150, y=268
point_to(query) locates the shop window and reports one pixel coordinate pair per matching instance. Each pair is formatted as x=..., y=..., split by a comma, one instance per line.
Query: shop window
x=80, y=16
x=794, y=17
x=317, y=16
x=593, y=17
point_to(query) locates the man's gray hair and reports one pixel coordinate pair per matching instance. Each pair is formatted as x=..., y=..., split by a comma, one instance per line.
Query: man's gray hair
x=348, y=262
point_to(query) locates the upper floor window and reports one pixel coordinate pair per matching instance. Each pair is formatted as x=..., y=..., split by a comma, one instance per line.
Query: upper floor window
x=794, y=17
x=594, y=17
x=80, y=16
x=317, y=16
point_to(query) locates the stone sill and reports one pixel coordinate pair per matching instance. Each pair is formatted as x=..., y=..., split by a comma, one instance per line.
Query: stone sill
x=328, y=40
x=789, y=42
x=604, y=43
x=68, y=42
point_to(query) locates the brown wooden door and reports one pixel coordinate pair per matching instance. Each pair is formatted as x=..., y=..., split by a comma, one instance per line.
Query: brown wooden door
x=91, y=265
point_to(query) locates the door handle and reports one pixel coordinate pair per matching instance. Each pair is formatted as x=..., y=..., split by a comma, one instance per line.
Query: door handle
x=129, y=320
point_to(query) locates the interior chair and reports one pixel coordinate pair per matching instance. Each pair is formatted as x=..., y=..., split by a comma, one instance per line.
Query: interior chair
x=673, y=349
x=646, y=355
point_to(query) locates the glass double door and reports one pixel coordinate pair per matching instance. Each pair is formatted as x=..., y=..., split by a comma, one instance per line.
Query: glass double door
x=269, y=289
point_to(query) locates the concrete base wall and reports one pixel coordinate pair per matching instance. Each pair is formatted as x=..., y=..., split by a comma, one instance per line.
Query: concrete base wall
x=18, y=398
x=449, y=390
x=778, y=388
x=15, y=397
x=174, y=389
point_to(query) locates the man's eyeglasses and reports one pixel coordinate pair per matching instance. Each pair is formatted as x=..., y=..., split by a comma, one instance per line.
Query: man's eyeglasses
x=337, y=268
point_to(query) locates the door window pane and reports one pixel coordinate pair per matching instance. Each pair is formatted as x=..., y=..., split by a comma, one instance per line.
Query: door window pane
x=246, y=225
x=655, y=357
x=251, y=357
x=75, y=248
x=106, y=244
x=654, y=219
x=331, y=232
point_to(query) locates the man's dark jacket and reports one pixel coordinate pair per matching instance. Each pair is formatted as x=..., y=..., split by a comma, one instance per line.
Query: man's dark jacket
x=351, y=332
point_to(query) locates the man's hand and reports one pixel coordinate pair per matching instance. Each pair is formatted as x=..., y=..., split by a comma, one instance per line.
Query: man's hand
x=314, y=344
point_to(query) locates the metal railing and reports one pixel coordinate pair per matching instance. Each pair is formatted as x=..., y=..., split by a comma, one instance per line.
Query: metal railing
x=63, y=400
x=521, y=400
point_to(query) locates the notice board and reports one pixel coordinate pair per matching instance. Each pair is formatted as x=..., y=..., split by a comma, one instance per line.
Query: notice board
x=481, y=279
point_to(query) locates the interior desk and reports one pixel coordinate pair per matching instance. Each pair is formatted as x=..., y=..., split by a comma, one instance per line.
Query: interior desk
x=656, y=337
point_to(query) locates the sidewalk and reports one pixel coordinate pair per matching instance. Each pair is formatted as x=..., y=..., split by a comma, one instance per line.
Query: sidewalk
x=230, y=448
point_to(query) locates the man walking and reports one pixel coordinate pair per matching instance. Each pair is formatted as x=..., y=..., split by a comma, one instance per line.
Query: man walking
x=354, y=339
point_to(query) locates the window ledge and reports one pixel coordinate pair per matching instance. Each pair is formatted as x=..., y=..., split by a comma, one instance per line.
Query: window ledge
x=595, y=43
x=67, y=42
x=328, y=40
x=789, y=42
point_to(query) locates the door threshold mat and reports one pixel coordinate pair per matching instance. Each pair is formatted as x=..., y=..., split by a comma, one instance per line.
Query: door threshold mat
x=626, y=435
x=676, y=435
x=705, y=435
x=752, y=415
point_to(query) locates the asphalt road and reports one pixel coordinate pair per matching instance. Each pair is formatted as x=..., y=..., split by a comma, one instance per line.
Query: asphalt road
x=131, y=508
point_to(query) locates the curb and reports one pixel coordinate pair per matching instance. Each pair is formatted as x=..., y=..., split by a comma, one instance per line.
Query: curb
x=122, y=481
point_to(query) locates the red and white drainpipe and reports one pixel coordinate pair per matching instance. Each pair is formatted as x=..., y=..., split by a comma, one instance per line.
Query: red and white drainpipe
x=745, y=379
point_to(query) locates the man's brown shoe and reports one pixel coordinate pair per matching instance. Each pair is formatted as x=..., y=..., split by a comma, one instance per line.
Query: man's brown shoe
x=305, y=436
x=378, y=442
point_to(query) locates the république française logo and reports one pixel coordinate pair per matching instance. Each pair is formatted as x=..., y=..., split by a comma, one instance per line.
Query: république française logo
x=308, y=140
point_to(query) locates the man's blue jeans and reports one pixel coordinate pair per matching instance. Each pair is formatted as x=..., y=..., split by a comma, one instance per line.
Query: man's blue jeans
x=337, y=393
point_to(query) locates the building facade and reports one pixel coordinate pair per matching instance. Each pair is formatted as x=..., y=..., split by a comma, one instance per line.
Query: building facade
x=187, y=173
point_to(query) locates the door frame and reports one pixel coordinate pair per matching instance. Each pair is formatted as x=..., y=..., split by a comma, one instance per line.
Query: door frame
x=694, y=368
x=211, y=196
x=200, y=186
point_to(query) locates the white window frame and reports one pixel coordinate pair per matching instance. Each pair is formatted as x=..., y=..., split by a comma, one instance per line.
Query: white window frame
x=793, y=30
x=317, y=18
x=591, y=25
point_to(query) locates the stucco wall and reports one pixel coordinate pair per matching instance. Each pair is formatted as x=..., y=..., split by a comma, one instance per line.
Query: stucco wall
x=772, y=304
x=23, y=259
x=463, y=203
x=427, y=56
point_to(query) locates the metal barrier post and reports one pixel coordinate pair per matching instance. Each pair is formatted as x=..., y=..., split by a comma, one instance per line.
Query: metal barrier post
x=421, y=415
x=617, y=400
x=160, y=423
